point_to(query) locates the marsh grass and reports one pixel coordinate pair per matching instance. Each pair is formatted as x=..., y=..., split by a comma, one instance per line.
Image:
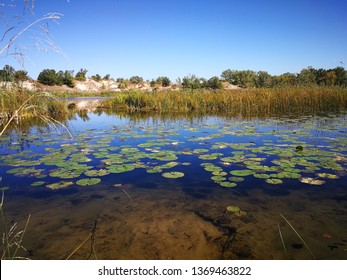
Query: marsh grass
x=12, y=237
x=243, y=102
x=16, y=104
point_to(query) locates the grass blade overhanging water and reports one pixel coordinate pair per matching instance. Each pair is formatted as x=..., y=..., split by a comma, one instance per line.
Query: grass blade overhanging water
x=302, y=240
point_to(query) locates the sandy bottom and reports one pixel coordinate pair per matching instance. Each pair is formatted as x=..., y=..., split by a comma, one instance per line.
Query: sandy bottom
x=167, y=223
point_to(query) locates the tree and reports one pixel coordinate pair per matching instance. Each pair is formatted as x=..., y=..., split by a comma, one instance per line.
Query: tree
x=244, y=78
x=81, y=75
x=21, y=76
x=192, y=82
x=7, y=74
x=264, y=79
x=341, y=76
x=136, y=79
x=96, y=77
x=164, y=81
x=307, y=76
x=48, y=77
x=214, y=83
x=106, y=77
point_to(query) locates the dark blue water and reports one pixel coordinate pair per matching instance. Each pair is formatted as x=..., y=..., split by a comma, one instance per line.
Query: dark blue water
x=293, y=168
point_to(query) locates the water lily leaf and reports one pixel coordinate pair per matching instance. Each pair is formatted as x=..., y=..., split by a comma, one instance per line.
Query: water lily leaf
x=97, y=173
x=261, y=176
x=311, y=181
x=227, y=184
x=59, y=185
x=236, y=179
x=173, y=175
x=328, y=175
x=155, y=169
x=243, y=172
x=37, y=183
x=219, y=173
x=274, y=181
x=121, y=168
x=233, y=208
x=218, y=178
x=88, y=182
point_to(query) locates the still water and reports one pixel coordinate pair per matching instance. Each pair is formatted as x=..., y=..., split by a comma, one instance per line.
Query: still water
x=197, y=187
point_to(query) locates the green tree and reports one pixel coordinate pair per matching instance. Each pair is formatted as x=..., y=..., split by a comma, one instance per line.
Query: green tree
x=106, y=77
x=163, y=81
x=136, y=79
x=341, y=76
x=81, y=75
x=264, y=79
x=49, y=77
x=244, y=78
x=96, y=77
x=307, y=76
x=21, y=76
x=7, y=74
x=214, y=83
x=192, y=82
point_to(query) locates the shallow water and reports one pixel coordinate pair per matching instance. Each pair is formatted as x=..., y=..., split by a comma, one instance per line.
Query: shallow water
x=280, y=174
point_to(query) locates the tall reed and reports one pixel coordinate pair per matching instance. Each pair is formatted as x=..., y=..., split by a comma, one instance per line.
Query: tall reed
x=250, y=102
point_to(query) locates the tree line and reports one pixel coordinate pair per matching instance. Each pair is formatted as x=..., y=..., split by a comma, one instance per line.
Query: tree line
x=243, y=78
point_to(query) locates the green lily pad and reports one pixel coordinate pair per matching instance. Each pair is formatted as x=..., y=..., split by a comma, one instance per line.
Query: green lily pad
x=274, y=181
x=37, y=183
x=328, y=175
x=227, y=184
x=218, y=178
x=88, y=182
x=236, y=179
x=173, y=175
x=59, y=185
x=243, y=172
x=97, y=173
x=233, y=208
x=121, y=168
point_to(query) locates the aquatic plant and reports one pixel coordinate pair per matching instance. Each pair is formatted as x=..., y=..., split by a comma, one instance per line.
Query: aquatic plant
x=246, y=102
x=173, y=175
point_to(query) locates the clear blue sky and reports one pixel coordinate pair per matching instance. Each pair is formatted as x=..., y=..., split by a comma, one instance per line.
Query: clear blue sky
x=175, y=38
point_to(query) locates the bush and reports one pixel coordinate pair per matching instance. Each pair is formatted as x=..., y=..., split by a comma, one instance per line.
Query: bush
x=49, y=77
x=81, y=75
x=214, y=83
x=136, y=79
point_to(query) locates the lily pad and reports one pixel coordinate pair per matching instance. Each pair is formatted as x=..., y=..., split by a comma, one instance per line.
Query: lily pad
x=173, y=175
x=88, y=182
x=37, y=183
x=233, y=208
x=274, y=181
x=243, y=172
x=227, y=184
x=311, y=181
x=328, y=175
x=97, y=173
x=59, y=185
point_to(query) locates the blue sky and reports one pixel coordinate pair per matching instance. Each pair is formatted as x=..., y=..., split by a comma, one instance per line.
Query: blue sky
x=175, y=38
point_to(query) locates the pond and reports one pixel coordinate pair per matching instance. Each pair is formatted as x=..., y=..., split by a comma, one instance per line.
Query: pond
x=193, y=187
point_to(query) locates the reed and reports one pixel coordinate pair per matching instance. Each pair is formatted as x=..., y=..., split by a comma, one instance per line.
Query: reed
x=296, y=232
x=243, y=102
x=22, y=103
x=16, y=104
